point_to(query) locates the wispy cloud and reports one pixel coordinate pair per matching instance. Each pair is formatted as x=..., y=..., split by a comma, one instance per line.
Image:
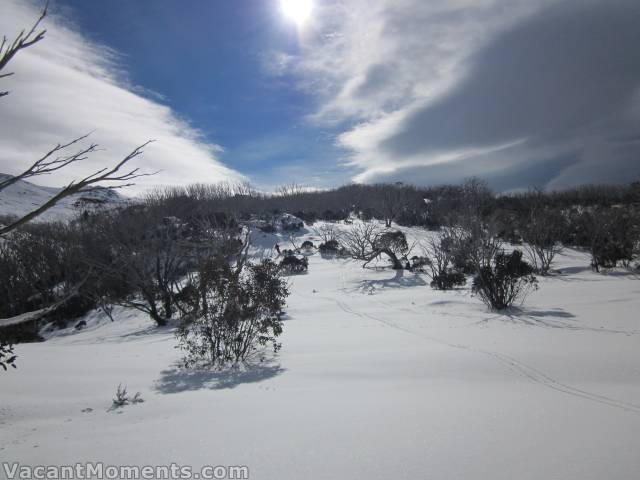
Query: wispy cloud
x=435, y=91
x=66, y=86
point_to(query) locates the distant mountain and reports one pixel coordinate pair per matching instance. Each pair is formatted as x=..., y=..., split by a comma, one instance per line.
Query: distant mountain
x=23, y=197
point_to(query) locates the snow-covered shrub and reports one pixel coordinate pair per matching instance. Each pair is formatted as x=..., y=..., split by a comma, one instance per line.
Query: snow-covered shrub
x=506, y=280
x=7, y=357
x=240, y=308
x=293, y=264
x=330, y=246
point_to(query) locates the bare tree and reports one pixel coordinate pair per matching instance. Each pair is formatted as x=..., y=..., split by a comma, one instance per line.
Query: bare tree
x=290, y=190
x=153, y=257
x=541, y=234
x=394, y=200
x=439, y=255
x=147, y=256
x=367, y=241
x=359, y=240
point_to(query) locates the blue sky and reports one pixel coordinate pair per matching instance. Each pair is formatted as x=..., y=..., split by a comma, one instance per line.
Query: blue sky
x=207, y=60
x=522, y=93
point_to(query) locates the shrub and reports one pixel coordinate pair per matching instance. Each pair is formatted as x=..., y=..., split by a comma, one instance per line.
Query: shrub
x=290, y=223
x=614, y=235
x=438, y=259
x=418, y=264
x=334, y=216
x=31, y=270
x=307, y=244
x=308, y=217
x=506, y=280
x=122, y=398
x=7, y=358
x=327, y=232
x=460, y=247
x=293, y=264
x=239, y=310
x=448, y=280
x=330, y=246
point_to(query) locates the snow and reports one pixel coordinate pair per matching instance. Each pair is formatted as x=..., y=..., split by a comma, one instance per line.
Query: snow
x=379, y=377
x=24, y=317
x=23, y=197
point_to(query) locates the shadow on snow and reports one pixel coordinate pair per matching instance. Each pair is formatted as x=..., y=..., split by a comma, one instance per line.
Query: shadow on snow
x=177, y=379
x=400, y=280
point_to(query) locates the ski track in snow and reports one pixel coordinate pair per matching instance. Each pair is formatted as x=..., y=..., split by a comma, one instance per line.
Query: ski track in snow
x=516, y=366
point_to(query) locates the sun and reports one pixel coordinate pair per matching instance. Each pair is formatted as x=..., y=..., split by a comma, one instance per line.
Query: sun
x=298, y=11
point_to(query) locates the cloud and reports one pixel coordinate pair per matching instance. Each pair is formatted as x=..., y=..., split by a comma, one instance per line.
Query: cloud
x=542, y=92
x=66, y=86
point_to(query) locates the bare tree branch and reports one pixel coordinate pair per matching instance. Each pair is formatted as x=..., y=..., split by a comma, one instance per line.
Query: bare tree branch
x=87, y=184
x=9, y=50
x=46, y=164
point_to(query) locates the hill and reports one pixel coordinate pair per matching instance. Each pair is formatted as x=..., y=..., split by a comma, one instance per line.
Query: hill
x=23, y=197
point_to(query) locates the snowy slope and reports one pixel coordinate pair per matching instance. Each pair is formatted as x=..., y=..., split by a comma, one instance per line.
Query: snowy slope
x=24, y=197
x=379, y=377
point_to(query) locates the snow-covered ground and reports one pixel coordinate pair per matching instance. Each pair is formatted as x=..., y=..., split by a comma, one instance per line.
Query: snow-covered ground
x=379, y=377
x=23, y=197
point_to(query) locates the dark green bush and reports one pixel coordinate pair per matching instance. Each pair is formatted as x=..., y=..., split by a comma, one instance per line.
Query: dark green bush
x=508, y=279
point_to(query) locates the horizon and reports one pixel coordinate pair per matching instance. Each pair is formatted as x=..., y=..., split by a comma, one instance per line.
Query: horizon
x=310, y=190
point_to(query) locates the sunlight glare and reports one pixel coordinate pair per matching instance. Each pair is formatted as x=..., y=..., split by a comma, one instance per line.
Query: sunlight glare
x=298, y=11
